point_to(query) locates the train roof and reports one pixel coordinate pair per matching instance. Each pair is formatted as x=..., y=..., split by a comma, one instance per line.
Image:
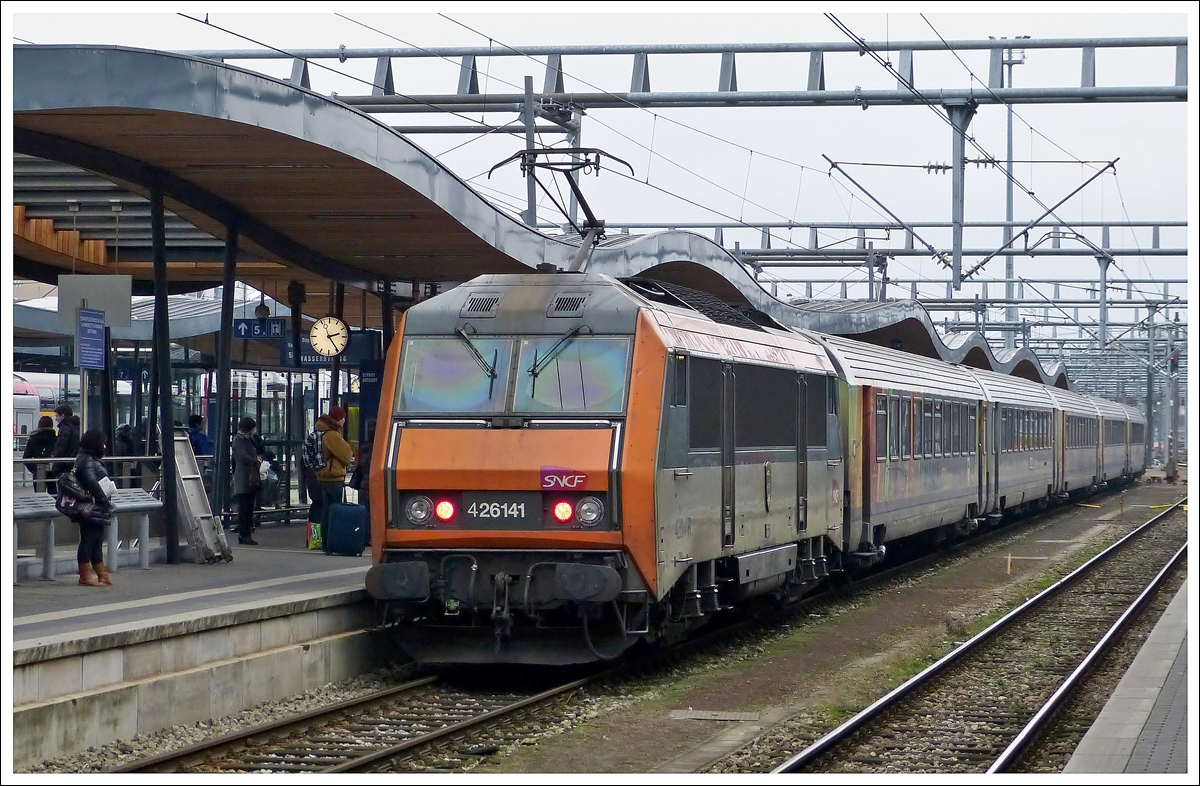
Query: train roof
x=1004, y=389
x=871, y=364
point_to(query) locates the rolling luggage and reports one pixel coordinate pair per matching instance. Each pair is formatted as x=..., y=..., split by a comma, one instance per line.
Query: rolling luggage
x=346, y=529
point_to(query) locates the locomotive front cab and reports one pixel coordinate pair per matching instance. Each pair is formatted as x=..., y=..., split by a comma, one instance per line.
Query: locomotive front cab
x=499, y=529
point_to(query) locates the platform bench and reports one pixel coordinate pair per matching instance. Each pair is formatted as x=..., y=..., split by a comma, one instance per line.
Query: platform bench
x=125, y=502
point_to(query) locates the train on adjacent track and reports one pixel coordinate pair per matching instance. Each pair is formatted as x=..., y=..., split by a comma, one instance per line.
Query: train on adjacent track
x=568, y=465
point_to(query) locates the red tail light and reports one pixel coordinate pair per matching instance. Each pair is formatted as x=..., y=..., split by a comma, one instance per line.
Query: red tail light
x=563, y=512
x=444, y=510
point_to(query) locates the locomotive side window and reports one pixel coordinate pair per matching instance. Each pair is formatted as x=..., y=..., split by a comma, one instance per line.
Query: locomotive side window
x=704, y=404
x=681, y=379
x=881, y=414
x=905, y=426
x=765, y=399
x=818, y=387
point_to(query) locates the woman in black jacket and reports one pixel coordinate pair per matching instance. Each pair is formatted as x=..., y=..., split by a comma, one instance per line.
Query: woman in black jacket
x=89, y=470
x=41, y=445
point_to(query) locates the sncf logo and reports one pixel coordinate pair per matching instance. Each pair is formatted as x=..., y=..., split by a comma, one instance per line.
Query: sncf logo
x=560, y=478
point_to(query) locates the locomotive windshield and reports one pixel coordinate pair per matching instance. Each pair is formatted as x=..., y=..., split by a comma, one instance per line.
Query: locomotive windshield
x=575, y=375
x=446, y=375
x=470, y=375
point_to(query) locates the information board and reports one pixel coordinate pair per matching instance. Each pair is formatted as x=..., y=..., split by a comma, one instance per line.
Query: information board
x=90, y=349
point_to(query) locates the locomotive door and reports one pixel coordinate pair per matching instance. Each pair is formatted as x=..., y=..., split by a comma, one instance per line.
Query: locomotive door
x=728, y=388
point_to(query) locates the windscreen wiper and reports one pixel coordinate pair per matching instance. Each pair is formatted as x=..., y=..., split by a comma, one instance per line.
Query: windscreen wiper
x=490, y=370
x=539, y=365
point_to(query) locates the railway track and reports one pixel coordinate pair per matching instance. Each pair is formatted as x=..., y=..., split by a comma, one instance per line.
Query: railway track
x=405, y=721
x=980, y=706
x=426, y=724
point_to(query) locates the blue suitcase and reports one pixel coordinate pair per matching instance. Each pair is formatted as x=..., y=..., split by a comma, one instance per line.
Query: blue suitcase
x=346, y=529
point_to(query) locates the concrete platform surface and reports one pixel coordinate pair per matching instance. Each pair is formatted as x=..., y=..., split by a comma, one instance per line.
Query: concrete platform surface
x=279, y=567
x=1143, y=728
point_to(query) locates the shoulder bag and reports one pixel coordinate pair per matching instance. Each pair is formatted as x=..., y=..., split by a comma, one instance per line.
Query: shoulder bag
x=73, y=500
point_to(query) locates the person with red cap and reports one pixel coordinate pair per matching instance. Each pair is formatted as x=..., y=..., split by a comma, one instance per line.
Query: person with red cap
x=331, y=476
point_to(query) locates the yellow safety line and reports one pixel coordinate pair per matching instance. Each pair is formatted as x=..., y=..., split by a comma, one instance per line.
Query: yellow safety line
x=1085, y=505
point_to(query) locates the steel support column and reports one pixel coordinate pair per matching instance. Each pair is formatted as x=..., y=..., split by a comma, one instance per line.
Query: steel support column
x=960, y=118
x=339, y=310
x=225, y=373
x=162, y=357
x=388, y=314
x=530, y=183
x=1103, y=301
x=1150, y=385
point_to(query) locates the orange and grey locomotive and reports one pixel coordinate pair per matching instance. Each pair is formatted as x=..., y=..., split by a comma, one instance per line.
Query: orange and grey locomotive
x=570, y=465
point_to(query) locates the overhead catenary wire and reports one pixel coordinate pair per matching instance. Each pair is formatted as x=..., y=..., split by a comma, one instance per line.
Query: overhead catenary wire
x=866, y=49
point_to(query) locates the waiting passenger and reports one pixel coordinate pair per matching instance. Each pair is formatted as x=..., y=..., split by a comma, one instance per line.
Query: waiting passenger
x=361, y=479
x=67, y=444
x=91, y=474
x=246, y=478
x=331, y=476
x=201, y=444
x=125, y=443
x=41, y=445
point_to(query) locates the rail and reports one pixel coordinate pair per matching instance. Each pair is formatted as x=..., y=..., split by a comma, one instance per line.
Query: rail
x=876, y=709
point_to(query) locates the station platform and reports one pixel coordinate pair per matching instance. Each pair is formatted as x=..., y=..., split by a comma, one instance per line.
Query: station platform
x=192, y=642
x=180, y=644
x=279, y=567
x=1143, y=727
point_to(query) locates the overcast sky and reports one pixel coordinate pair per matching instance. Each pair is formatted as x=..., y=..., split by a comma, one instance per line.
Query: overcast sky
x=761, y=164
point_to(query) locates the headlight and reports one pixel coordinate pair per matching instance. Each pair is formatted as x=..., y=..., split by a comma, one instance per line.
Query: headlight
x=418, y=509
x=589, y=511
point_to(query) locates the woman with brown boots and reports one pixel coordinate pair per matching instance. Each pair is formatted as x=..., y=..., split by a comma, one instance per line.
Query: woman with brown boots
x=89, y=470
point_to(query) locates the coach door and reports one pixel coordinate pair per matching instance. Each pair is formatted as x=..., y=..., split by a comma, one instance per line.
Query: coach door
x=802, y=455
x=728, y=475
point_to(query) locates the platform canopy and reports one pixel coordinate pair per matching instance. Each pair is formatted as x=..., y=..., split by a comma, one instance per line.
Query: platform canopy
x=321, y=192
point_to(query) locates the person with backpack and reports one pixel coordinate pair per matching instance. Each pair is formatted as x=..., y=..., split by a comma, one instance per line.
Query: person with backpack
x=40, y=445
x=67, y=444
x=330, y=466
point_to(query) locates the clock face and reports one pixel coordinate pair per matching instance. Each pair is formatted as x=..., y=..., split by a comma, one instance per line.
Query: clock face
x=329, y=336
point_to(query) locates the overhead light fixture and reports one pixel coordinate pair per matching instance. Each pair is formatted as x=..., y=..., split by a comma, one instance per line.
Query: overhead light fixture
x=262, y=310
x=360, y=215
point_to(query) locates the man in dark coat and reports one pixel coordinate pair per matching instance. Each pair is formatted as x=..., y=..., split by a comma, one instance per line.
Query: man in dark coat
x=41, y=445
x=67, y=444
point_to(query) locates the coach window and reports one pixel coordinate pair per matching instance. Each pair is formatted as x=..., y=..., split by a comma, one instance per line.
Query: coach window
x=762, y=394
x=972, y=430
x=704, y=404
x=917, y=420
x=880, y=427
x=947, y=419
x=927, y=427
x=905, y=426
x=937, y=427
x=894, y=422
x=956, y=429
